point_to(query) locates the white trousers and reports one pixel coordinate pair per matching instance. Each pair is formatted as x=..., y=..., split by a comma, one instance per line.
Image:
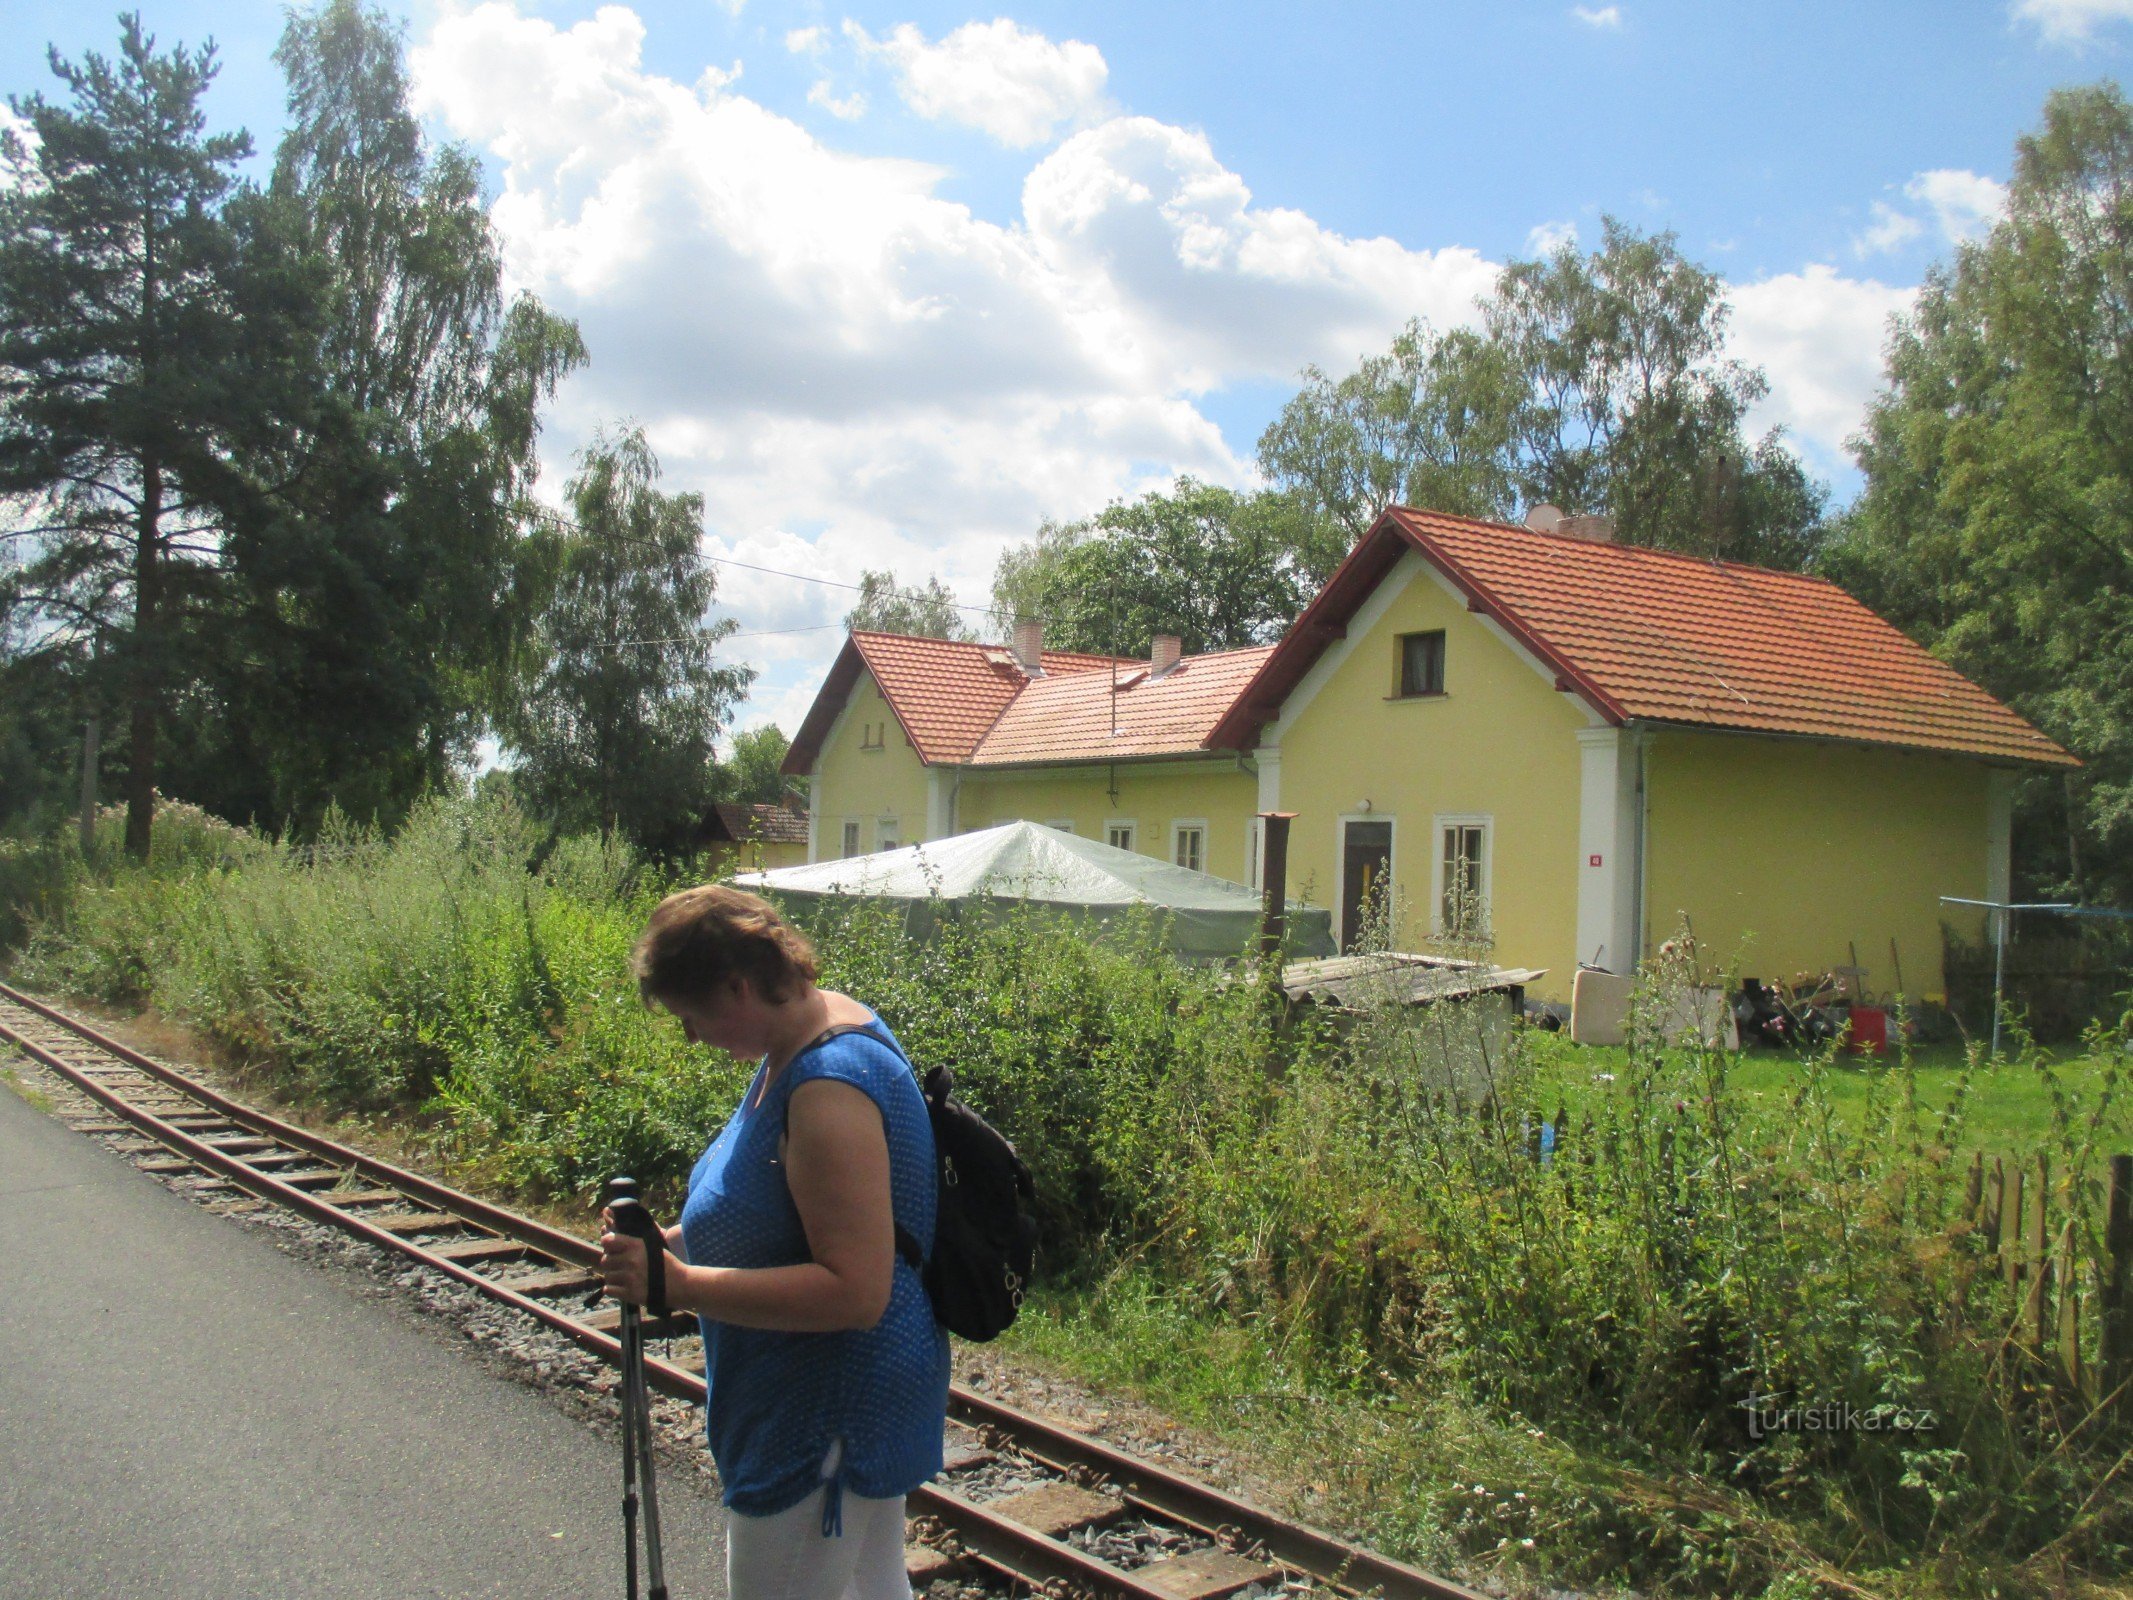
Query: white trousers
x=787, y=1556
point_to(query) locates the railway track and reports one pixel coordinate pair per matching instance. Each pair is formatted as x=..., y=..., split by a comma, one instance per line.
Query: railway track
x=1021, y=1499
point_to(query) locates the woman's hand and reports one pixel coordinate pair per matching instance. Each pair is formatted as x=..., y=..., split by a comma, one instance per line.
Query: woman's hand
x=622, y=1263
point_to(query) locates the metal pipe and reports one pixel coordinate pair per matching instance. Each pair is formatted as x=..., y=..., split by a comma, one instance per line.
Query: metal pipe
x=1273, y=881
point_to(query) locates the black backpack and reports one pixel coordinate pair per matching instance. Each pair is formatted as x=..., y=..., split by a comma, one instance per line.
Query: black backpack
x=985, y=1228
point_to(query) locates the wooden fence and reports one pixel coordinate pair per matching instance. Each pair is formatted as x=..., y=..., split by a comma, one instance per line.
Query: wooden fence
x=2074, y=1324
x=2064, y=1284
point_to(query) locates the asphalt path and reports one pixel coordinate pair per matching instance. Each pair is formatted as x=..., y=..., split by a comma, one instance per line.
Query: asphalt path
x=187, y=1412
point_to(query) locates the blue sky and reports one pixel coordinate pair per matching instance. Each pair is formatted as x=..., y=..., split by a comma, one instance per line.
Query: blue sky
x=892, y=284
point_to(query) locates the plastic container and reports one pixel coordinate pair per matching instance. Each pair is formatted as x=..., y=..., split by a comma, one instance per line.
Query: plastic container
x=1868, y=1034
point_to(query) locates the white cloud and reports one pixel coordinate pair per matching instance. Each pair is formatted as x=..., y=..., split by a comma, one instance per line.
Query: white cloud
x=1548, y=237
x=1819, y=337
x=1014, y=85
x=1965, y=205
x=806, y=41
x=857, y=372
x=1603, y=17
x=1891, y=230
x=852, y=107
x=2071, y=21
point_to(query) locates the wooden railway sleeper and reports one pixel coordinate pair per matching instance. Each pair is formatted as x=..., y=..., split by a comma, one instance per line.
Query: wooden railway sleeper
x=1050, y=1565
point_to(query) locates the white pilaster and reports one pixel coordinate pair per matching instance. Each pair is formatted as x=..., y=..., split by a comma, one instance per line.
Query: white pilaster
x=940, y=803
x=1999, y=835
x=1607, y=848
x=1269, y=759
x=814, y=816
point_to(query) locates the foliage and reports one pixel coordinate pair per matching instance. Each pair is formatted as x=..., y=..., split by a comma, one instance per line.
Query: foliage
x=882, y=607
x=751, y=774
x=381, y=590
x=615, y=728
x=1996, y=525
x=1220, y=569
x=1319, y=1239
x=1597, y=382
x=126, y=381
x=265, y=454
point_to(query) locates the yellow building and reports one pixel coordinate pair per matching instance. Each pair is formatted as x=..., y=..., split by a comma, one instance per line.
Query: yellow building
x=1536, y=736
x=912, y=739
x=750, y=838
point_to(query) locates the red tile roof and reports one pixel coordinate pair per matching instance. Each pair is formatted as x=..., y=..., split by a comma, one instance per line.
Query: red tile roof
x=770, y=824
x=1651, y=635
x=1096, y=716
x=946, y=694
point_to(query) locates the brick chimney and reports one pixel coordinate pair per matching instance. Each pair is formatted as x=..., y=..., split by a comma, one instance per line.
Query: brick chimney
x=1596, y=529
x=1029, y=646
x=1168, y=648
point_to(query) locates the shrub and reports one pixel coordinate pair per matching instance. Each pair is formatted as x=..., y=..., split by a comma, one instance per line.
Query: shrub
x=1341, y=1228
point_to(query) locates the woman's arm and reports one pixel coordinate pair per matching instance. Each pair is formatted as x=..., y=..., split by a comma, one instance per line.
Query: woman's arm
x=837, y=1166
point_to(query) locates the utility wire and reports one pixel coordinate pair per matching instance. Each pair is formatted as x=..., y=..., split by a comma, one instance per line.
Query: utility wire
x=797, y=577
x=693, y=638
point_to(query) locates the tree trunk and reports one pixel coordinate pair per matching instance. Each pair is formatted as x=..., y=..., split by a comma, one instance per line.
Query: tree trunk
x=147, y=581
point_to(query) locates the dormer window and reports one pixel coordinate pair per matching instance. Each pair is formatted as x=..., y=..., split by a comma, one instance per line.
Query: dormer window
x=1421, y=663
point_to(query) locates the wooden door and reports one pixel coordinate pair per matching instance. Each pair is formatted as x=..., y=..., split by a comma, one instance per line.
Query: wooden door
x=1366, y=874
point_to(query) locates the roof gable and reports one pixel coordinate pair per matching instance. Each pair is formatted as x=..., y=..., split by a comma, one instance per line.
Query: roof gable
x=1653, y=635
x=946, y=693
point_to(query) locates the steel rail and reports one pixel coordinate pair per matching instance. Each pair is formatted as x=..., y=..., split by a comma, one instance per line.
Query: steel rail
x=1206, y=1510
x=444, y=1198
x=997, y=1541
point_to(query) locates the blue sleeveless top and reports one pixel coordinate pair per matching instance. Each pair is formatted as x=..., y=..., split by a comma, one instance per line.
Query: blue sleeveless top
x=778, y=1403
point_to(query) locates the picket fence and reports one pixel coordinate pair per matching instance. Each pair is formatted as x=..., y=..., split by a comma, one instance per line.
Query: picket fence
x=2072, y=1282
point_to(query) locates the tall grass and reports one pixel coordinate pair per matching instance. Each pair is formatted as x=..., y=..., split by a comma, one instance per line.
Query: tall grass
x=1333, y=1239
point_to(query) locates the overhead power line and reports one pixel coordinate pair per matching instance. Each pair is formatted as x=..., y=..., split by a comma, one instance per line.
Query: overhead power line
x=796, y=577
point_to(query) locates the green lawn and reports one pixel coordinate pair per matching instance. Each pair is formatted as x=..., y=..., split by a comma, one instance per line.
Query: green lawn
x=2009, y=1108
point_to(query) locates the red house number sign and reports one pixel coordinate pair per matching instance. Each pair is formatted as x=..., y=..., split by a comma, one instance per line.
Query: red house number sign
x=1592, y=861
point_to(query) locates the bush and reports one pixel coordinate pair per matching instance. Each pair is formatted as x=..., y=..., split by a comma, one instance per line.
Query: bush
x=1338, y=1235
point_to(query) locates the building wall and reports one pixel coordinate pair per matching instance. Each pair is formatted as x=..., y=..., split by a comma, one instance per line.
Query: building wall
x=753, y=855
x=860, y=780
x=1500, y=743
x=1786, y=853
x=1216, y=790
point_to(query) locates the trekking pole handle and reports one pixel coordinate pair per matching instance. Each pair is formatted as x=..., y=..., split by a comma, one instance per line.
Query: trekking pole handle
x=632, y=1218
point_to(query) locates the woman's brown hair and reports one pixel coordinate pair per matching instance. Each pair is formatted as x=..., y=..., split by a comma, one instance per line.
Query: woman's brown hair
x=699, y=940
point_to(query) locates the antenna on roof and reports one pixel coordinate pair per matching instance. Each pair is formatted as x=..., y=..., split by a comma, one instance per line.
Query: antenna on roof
x=1545, y=518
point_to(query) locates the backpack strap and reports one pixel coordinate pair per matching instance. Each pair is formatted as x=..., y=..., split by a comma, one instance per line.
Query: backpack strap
x=907, y=1244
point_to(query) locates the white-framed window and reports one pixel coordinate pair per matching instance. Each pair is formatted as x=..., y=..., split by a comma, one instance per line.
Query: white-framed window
x=887, y=833
x=1063, y=824
x=1459, y=875
x=1188, y=843
x=851, y=839
x=1120, y=833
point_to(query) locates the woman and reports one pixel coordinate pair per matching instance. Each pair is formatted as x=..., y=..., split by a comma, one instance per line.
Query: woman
x=827, y=1374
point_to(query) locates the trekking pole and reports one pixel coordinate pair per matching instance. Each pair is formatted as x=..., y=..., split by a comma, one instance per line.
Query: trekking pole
x=632, y=1218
